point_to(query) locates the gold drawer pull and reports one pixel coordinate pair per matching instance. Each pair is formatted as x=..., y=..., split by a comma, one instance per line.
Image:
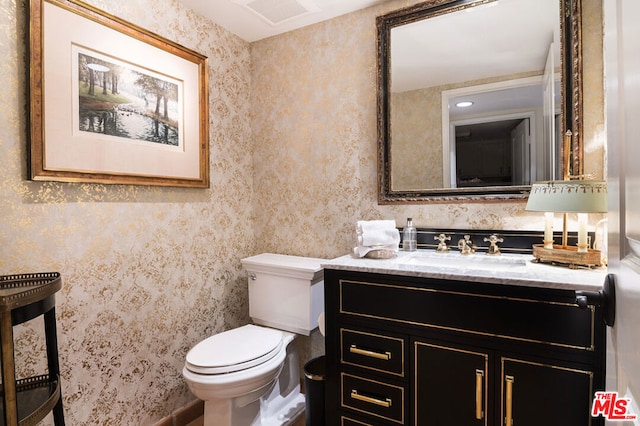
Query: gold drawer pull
x=386, y=403
x=479, y=376
x=378, y=355
x=508, y=421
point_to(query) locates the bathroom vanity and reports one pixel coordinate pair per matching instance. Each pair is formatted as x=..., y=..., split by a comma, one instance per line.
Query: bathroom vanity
x=444, y=339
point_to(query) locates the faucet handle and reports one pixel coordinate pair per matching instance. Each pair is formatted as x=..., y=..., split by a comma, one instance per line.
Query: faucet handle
x=493, y=244
x=466, y=246
x=442, y=245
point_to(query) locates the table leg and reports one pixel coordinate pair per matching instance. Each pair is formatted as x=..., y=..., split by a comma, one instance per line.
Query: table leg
x=8, y=370
x=53, y=361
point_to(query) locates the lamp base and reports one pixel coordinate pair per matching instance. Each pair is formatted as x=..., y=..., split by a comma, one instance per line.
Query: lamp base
x=568, y=256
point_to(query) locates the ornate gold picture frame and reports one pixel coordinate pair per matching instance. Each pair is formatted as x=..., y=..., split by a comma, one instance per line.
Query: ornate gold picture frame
x=113, y=103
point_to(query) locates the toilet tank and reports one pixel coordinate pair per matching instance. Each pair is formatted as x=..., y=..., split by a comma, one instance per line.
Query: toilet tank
x=285, y=292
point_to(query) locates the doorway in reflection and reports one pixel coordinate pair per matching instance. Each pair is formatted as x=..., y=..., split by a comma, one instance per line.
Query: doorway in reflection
x=506, y=135
x=493, y=153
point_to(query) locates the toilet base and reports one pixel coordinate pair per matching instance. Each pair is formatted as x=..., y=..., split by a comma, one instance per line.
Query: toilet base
x=287, y=414
x=281, y=411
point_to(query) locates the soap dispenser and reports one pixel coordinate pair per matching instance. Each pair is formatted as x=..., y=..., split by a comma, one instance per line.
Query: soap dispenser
x=409, y=237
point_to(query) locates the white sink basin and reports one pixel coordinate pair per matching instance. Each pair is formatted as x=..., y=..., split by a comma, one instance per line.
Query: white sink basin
x=455, y=260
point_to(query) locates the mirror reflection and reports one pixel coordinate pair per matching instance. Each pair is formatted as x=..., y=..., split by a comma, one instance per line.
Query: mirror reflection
x=474, y=96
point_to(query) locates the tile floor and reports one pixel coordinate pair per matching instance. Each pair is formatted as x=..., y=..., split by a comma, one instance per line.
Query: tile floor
x=198, y=422
x=300, y=422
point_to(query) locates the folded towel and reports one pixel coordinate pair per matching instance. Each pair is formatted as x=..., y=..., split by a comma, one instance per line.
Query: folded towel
x=377, y=233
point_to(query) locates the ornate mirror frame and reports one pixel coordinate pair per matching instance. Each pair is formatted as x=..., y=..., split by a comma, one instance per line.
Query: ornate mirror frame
x=571, y=92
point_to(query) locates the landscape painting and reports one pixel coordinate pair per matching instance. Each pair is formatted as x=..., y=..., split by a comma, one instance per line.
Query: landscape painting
x=124, y=101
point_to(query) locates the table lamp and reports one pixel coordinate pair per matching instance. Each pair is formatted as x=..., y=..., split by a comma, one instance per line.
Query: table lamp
x=568, y=196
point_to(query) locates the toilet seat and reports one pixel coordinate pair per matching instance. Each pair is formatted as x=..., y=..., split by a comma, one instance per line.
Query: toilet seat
x=234, y=350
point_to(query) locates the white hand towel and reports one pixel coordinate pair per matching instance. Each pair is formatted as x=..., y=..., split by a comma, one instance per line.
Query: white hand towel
x=377, y=233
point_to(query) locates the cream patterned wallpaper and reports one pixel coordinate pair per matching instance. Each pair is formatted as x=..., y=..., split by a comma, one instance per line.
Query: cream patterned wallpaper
x=416, y=153
x=148, y=272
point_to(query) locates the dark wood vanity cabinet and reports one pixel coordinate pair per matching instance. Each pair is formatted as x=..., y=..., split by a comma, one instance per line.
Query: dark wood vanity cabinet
x=403, y=350
x=460, y=378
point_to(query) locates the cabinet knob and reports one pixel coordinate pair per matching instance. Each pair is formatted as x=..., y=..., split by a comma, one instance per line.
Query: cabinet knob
x=605, y=298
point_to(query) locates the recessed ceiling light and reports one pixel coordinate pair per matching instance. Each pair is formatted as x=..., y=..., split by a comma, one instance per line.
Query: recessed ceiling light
x=464, y=104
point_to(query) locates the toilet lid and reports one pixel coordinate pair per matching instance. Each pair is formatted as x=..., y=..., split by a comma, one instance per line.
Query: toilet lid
x=234, y=350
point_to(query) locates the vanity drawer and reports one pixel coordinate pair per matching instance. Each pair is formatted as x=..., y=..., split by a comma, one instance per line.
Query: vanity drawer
x=373, y=397
x=348, y=421
x=373, y=351
x=455, y=308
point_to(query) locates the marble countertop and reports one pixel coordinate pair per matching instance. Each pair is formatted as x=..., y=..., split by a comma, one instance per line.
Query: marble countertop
x=512, y=269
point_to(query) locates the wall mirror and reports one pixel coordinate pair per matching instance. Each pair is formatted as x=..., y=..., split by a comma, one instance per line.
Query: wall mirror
x=516, y=63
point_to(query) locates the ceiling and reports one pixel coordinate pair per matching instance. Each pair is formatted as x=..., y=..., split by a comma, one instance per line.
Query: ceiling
x=504, y=37
x=254, y=20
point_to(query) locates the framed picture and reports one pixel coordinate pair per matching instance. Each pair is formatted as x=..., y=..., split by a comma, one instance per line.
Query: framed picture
x=113, y=103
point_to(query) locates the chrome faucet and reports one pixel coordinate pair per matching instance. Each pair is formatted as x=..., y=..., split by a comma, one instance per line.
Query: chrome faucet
x=466, y=246
x=493, y=244
x=442, y=245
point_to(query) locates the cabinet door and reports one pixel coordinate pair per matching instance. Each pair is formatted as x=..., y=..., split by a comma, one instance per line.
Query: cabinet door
x=493, y=159
x=468, y=163
x=451, y=386
x=534, y=394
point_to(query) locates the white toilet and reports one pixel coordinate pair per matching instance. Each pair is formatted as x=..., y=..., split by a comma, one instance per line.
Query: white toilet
x=249, y=376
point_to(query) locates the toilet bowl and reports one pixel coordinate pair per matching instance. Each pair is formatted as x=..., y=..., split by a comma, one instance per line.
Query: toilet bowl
x=249, y=376
x=239, y=371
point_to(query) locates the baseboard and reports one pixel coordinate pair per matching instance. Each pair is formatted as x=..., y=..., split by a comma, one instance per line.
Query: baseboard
x=184, y=415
